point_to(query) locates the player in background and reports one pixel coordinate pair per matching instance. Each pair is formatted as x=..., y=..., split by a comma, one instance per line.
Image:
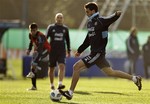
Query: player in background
x=41, y=52
x=96, y=38
x=59, y=39
x=133, y=51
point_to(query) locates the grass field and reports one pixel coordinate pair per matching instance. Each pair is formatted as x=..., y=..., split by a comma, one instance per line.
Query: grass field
x=88, y=91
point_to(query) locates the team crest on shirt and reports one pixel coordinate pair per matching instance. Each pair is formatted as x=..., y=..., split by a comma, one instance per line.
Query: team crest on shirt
x=95, y=23
x=53, y=30
x=64, y=30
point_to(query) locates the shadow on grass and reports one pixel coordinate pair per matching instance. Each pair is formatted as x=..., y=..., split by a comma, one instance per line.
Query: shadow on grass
x=63, y=102
x=116, y=93
x=82, y=93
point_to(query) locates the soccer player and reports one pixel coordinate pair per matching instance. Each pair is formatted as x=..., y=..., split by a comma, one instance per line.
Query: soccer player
x=59, y=38
x=97, y=38
x=133, y=52
x=41, y=52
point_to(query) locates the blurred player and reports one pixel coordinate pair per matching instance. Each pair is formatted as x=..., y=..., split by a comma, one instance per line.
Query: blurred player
x=59, y=37
x=133, y=51
x=97, y=38
x=41, y=51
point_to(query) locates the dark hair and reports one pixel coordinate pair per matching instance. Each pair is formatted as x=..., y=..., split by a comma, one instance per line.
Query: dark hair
x=33, y=26
x=91, y=6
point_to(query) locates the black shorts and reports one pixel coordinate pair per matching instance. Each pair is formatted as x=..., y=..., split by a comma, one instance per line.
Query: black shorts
x=96, y=59
x=56, y=58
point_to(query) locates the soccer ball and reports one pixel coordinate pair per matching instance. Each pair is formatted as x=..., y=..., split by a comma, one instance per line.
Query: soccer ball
x=55, y=95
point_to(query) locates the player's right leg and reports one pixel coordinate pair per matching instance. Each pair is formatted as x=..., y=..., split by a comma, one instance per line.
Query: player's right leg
x=33, y=80
x=30, y=75
x=51, y=77
x=78, y=66
x=120, y=74
x=52, y=65
x=61, y=73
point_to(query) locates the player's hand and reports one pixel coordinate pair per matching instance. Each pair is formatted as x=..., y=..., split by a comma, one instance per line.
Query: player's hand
x=118, y=13
x=34, y=66
x=77, y=54
x=28, y=52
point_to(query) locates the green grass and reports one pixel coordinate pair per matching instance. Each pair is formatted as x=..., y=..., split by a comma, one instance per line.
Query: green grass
x=88, y=91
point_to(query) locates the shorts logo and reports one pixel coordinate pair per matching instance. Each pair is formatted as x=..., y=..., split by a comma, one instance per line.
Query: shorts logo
x=64, y=30
x=95, y=23
x=87, y=58
x=53, y=30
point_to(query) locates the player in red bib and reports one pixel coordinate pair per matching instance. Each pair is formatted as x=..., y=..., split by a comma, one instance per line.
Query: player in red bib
x=41, y=51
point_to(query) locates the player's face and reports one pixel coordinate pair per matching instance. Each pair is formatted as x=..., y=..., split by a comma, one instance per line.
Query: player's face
x=89, y=12
x=135, y=32
x=59, y=19
x=33, y=31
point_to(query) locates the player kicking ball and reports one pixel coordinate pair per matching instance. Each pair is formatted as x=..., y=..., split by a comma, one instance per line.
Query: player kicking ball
x=97, y=38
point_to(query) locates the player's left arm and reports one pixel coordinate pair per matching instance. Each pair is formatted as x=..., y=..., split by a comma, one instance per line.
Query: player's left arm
x=84, y=45
x=112, y=18
x=68, y=42
x=30, y=46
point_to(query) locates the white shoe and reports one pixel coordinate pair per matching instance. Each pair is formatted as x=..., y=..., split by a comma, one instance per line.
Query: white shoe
x=139, y=82
x=30, y=75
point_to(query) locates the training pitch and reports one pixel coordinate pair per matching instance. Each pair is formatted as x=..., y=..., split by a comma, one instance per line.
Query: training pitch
x=88, y=91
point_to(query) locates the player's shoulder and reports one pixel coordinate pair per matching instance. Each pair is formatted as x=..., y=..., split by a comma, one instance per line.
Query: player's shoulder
x=102, y=18
x=51, y=25
x=40, y=33
x=65, y=26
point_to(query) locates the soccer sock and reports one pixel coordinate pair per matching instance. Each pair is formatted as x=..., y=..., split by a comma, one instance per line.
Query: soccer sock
x=60, y=83
x=34, y=80
x=134, y=79
x=70, y=92
x=52, y=84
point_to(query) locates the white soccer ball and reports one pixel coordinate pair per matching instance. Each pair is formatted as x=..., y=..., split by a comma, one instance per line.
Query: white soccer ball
x=55, y=95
